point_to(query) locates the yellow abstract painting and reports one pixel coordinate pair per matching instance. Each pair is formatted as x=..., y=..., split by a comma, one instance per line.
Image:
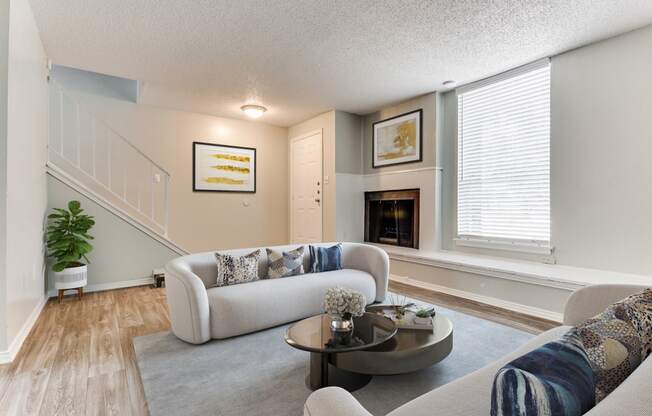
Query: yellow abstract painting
x=397, y=140
x=221, y=168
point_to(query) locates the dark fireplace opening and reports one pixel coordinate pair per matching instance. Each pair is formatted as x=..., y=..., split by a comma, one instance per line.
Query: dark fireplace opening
x=392, y=217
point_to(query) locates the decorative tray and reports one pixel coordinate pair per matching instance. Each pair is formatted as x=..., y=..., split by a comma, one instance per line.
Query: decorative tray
x=407, y=320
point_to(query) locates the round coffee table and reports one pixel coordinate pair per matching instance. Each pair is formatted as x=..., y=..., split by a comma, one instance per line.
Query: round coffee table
x=314, y=335
x=409, y=350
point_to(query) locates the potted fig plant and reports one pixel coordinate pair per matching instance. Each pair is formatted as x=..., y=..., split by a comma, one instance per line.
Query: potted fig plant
x=67, y=242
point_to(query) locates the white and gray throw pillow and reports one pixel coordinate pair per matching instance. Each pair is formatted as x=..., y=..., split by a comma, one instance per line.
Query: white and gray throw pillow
x=284, y=264
x=233, y=270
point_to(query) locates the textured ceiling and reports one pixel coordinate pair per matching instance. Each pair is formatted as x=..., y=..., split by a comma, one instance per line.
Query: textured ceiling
x=303, y=57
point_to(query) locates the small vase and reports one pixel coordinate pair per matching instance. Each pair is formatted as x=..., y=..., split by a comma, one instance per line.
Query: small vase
x=340, y=324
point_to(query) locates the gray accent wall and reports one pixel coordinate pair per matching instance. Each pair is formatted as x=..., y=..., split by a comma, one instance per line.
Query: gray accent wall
x=348, y=143
x=426, y=102
x=97, y=84
x=122, y=253
x=601, y=157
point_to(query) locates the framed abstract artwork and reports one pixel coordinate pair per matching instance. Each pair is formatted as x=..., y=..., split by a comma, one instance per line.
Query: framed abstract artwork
x=222, y=168
x=397, y=140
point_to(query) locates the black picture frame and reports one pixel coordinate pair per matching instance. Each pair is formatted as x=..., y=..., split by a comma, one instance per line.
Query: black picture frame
x=419, y=141
x=194, y=175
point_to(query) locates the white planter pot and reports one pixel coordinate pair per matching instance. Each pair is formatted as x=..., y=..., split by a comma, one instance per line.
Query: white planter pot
x=70, y=278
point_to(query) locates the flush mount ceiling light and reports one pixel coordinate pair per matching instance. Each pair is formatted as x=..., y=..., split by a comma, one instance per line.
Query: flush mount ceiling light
x=253, y=111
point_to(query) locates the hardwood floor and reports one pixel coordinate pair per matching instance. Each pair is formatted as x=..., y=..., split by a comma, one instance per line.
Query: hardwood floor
x=79, y=358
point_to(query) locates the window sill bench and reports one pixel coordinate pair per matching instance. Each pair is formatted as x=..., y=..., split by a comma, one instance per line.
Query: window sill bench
x=549, y=275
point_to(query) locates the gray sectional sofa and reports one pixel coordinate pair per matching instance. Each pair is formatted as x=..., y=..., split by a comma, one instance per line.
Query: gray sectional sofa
x=200, y=312
x=471, y=395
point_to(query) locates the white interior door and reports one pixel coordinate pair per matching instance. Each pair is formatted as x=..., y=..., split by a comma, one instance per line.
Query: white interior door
x=307, y=184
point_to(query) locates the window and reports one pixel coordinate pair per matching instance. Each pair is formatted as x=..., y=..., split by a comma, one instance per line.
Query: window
x=503, y=189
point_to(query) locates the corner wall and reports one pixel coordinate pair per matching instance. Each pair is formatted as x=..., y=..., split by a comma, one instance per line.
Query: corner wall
x=421, y=175
x=349, y=167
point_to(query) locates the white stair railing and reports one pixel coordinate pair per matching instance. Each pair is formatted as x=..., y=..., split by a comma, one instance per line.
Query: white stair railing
x=86, y=151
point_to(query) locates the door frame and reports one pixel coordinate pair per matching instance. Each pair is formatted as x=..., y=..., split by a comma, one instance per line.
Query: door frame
x=291, y=181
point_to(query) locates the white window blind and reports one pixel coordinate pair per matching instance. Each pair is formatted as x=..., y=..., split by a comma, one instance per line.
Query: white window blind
x=503, y=193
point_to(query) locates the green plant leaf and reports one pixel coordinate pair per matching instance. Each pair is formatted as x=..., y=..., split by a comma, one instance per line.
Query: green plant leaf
x=59, y=266
x=74, y=207
x=67, y=235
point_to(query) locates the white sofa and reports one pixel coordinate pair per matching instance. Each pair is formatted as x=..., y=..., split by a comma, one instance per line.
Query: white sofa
x=200, y=312
x=471, y=395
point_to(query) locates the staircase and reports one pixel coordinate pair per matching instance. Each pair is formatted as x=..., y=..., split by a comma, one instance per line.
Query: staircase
x=88, y=155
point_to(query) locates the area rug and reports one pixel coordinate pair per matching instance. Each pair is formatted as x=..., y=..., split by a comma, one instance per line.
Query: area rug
x=260, y=375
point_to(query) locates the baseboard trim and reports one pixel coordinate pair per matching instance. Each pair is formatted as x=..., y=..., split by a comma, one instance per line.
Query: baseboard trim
x=9, y=355
x=110, y=286
x=499, y=303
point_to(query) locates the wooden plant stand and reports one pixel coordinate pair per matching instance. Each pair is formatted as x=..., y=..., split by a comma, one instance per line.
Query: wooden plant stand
x=80, y=293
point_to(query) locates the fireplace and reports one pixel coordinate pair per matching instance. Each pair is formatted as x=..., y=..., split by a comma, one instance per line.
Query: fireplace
x=392, y=217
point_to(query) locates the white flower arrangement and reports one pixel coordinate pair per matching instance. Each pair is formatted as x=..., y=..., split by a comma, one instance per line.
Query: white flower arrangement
x=344, y=302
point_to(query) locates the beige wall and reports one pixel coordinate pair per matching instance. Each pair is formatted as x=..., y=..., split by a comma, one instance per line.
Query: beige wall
x=121, y=252
x=201, y=221
x=428, y=103
x=326, y=123
x=25, y=172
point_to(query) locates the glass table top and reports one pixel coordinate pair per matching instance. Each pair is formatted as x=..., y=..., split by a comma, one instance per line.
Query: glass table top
x=314, y=334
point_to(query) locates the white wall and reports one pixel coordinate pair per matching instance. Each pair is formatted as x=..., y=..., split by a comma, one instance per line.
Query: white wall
x=4, y=67
x=26, y=182
x=202, y=221
x=121, y=252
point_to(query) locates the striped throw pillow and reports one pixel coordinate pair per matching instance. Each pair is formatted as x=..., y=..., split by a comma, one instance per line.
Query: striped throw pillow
x=325, y=259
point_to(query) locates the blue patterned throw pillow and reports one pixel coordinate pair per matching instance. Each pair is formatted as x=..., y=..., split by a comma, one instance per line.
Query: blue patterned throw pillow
x=325, y=259
x=555, y=379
